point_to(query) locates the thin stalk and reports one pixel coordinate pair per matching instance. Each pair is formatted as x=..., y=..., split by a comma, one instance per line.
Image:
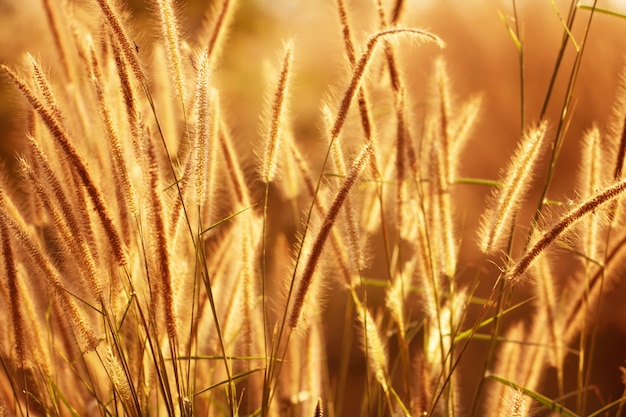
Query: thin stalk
x=520, y=51
x=201, y=253
x=263, y=289
x=595, y=327
x=560, y=132
x=559, y=60
x=346, y=346
x=494, y=333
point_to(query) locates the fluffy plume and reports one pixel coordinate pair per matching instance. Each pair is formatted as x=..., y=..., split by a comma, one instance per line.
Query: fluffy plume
x=506, y=201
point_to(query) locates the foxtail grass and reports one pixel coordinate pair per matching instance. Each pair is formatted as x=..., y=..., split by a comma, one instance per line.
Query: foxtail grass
x=157, y=260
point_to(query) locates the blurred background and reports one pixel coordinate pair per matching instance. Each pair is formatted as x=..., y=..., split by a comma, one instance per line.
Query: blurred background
x=481, y=57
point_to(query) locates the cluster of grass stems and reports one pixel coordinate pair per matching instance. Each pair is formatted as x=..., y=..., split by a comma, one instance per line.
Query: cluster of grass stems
x=138, y=273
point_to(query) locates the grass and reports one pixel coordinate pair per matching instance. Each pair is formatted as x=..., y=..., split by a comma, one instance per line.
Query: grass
x=152, y=267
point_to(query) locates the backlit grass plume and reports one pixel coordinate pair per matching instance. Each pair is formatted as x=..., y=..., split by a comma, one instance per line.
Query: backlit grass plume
x=497, y=220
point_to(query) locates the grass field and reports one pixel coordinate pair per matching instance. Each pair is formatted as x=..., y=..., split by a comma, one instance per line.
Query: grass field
x=312, y=208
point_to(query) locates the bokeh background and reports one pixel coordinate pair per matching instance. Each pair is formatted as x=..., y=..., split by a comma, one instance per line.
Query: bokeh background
x=481, y=57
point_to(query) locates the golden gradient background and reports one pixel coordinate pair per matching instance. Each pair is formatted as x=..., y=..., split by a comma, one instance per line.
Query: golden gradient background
x=481, y=57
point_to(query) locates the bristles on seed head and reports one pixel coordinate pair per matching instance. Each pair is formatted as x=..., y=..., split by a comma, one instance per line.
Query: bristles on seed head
x=170, y=34
x=566, y=222
x=16, y=312
x=617, y=127
x=127, y=46
x=363, y=62
x=373, y=346
x=506, y=201
x=316, y=251
x=222, y=19
x=396, y=296
x=277, y=118
x=593, y=175
x=514, y=404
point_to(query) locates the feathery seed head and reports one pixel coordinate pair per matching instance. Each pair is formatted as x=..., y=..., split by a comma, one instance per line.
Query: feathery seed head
x=316, y=251
x=514, y=404
x=507, y=200
x=373, y=346
x=277, y=118
x=567, y=221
